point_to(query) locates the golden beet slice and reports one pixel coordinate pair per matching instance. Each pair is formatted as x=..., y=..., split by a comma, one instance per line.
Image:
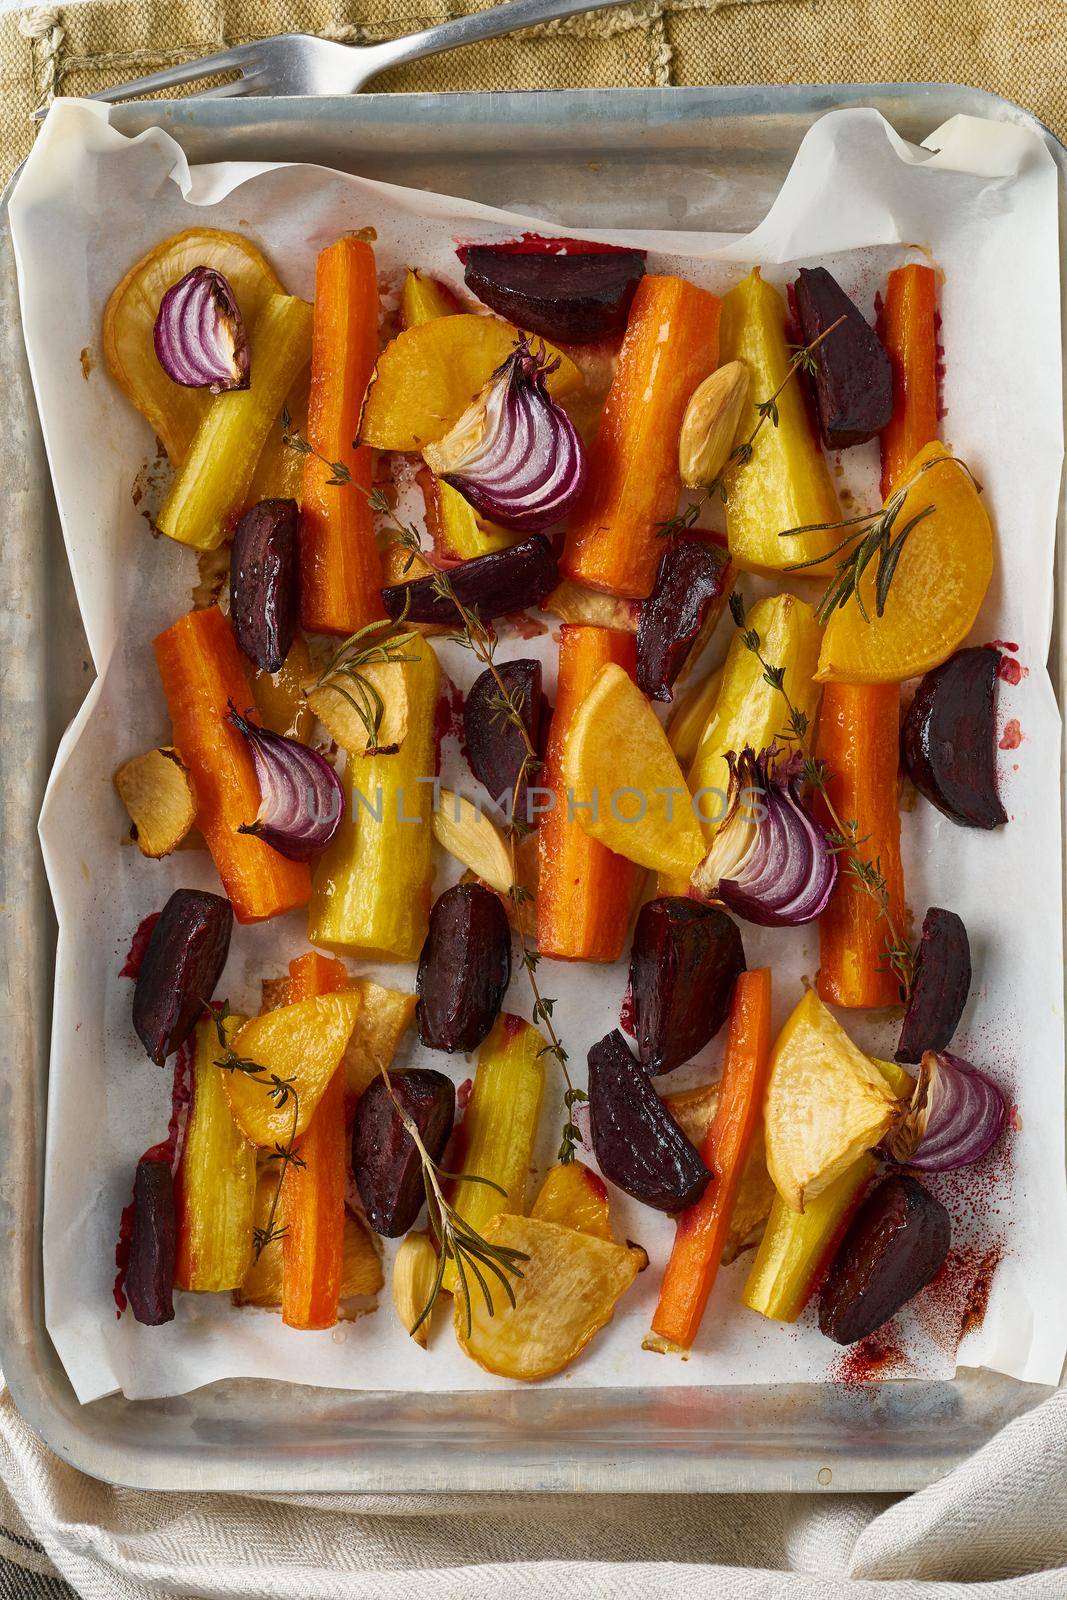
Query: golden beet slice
x=428, y=376
x=570, y=1285
x=576, y=1197
x=301, y=1046
x=938, y=585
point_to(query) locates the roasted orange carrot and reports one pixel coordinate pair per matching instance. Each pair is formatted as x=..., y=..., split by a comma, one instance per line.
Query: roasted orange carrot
x=702, y=1230
x=670, y=346
x=909, y=333
x=313, y=1197
x=340, y=574
x=203, y=673
x=858, y=740
x=585, y=891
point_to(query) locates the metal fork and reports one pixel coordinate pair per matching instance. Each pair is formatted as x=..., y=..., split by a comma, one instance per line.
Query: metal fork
x=298, y=63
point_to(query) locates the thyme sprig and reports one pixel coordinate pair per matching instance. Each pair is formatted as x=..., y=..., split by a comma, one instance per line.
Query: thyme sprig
x=280, y=1091
x=844, y=836
x=456, y=1240
x=344, y=672
x=873, y=536
x=478, y=637
x=292, y=440
x=802, y=360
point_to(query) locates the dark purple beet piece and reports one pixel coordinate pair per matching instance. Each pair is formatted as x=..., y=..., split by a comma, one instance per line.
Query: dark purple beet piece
x=637, y=1142
x=464, y=968
x=490, y=586
x=385, y=1159
x=149, y=1282
x=853, y=376
x=685, y=604
x=896, y=1243
x=940, y=987
x=496, y=749
x=181, y=966
x=684, y=962
x=949, y=738
x=570, y=298
x=264, y=582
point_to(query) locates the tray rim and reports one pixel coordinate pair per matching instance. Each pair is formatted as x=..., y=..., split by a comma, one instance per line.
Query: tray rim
x=24, y=1345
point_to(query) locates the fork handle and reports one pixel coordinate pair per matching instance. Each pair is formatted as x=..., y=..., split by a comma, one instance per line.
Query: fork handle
x=475, y=27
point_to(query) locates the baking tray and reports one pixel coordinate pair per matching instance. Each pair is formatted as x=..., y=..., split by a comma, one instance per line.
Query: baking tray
x=673, y=158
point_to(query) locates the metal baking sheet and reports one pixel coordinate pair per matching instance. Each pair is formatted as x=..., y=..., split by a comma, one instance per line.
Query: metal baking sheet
x=675, y=158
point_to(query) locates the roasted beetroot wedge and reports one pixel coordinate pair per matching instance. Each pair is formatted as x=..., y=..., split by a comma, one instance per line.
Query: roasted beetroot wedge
x=637, y=1142
x=181, y=966
x=940, y=987
x=264, y=582
x=149, y=1282
x=490, y=586
x=679, y=614
x=949, y=738
x=386, y=1163
x=853, y=377
x=896, y=1243
x=464, y=968
x=496, y=749
x=684, y=961
x=573, y=299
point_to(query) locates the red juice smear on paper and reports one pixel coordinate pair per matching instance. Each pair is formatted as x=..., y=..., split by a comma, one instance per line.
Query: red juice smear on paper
x=131, y=968
x=1002, y=644
x=1012, y=737
x=1009, y=670
x=626, y=1014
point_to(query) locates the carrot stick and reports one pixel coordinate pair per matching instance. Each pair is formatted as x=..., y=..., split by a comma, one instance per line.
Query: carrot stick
x=670, y=346
x=909, y=333
x=340, y=574
x=203, y=672
x=313, y=1197
x=858, y=739
x=585, y=891
x=702, y=1230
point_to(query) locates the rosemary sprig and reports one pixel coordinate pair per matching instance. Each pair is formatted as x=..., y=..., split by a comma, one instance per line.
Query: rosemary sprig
x=802, y=360
x=281, y=1092
x=844, y=836
x=873, y=537
x=476, y=636
x=456, y=1240
x=345, y=675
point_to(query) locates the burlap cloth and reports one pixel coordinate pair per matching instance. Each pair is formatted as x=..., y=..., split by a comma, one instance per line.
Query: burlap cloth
x=1000, y=1521
x=1015, y=47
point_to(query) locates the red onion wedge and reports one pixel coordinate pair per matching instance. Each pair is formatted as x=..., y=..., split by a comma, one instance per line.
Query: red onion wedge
x=199, y=333
x=955, y=1116
x=301, y=801
x=514, y=453
x=771, y=862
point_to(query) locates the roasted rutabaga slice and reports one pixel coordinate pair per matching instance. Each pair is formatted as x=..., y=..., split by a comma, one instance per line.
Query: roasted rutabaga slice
x=826, y=1104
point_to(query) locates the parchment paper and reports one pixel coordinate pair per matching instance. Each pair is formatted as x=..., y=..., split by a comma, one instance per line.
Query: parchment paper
x=858, y=200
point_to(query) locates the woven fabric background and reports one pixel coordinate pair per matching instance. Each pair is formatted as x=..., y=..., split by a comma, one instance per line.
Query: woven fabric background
x=1016, y=47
